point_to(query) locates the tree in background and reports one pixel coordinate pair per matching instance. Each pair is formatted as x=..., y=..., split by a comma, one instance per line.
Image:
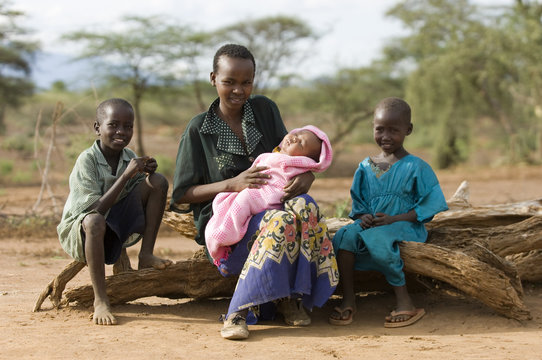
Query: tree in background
x=524, y=28
x=195, y=46
x=276, y=43
x=16, y=54
x=347, y=101
x=139, y=56
x=443, y=58
x=468, y=63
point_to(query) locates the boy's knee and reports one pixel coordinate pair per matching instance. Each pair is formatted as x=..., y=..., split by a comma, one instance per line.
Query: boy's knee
x=94, y=223
x=158, y=181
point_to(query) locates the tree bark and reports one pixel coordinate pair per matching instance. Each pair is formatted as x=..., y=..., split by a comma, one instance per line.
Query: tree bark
x=55, y=288
x=528, y=265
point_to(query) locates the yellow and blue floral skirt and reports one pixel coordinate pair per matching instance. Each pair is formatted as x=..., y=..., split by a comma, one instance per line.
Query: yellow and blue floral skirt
x=285, y=253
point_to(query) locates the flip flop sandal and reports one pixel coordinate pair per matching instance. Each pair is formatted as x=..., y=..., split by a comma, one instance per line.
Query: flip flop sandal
x=341, y=321
x=415, y=315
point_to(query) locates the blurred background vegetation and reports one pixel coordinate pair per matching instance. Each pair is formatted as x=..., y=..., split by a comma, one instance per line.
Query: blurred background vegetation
x=472, y=74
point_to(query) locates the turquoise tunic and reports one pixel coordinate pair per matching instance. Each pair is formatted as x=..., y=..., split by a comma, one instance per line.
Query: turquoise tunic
x=408, y=184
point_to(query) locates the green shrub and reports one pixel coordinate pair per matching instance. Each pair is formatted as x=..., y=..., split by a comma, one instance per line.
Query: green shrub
x=22, y=178
x=342, y=208
x=20, y=143
x=76, y=144
x=6, y=167
x=166, y=165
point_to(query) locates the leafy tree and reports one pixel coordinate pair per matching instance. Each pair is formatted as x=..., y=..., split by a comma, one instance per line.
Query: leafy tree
x=139, y=56
x=348, y=99
x=275, y=42
x=461, y=72
x=524, y=28
x=16, y=54
x=195, y=46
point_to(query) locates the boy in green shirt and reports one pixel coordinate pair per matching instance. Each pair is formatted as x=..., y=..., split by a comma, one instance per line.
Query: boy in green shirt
x=115, y=199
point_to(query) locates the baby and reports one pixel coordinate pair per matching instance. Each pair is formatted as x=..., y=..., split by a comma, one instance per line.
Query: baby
x=301, y=150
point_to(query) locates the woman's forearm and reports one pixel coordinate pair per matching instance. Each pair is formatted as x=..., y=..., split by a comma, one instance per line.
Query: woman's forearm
x=202, y=193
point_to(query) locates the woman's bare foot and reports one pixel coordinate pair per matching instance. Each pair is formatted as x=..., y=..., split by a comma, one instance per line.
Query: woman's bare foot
x=151, y=261
x=102, y=314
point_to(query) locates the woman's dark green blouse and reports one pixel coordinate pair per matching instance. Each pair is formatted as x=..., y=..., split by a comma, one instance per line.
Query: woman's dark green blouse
x=210, y=152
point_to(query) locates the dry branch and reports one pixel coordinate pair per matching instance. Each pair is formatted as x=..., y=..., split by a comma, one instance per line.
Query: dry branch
x=193, y=278
x=473, y=277
x=45, y=173
x=504, y=240
x=528, y=265
x=55, y=288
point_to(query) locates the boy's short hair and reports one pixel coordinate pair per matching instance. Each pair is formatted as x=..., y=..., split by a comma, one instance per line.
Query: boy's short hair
x=396, y=105
x=233, y=51
x=101, y=109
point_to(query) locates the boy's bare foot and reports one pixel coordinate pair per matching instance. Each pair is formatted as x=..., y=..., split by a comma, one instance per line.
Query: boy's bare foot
x=148, y=261
x=102, y=314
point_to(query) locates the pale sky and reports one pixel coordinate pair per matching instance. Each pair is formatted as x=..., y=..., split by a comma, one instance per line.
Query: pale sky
x=353, y=31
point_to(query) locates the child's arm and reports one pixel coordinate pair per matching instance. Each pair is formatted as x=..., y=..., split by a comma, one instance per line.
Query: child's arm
x=384, y=219
x=107, y=200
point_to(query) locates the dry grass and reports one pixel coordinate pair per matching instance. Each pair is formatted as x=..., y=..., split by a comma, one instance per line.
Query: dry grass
x=15, y=226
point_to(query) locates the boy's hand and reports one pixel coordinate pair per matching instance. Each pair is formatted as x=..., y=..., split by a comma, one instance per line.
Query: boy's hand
x=136, y=165
x=150, y=165
x=367, y=221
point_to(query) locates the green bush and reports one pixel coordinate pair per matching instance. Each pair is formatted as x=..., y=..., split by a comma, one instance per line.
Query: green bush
x=6, y=167
x=166, y=165
x=20, y=143
x=23, y=178
x=76, y=144
x=342, y=208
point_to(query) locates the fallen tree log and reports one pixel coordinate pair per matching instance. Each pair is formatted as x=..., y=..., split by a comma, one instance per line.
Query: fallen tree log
x=504, y=240
x=197, y=278
x=476, y=278
x=54, y=289
x=193, y=278
x=468, y=258
x=528, y=264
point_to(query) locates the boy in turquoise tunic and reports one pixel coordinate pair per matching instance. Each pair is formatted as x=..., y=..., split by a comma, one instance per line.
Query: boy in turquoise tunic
x=393, y=195
x=115, y=199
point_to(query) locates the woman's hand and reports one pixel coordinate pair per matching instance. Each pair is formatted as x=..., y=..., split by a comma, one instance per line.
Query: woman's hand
x=298, y=185
x=251, y=178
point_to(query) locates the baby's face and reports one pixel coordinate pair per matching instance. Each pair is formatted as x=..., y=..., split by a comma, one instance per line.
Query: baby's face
x=302, y=143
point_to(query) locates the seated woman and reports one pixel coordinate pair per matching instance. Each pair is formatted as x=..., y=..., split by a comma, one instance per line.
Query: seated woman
x=285, y=257
x=304, y=149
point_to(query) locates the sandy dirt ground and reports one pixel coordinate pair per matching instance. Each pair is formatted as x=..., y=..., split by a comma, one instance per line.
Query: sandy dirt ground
x=157, y=328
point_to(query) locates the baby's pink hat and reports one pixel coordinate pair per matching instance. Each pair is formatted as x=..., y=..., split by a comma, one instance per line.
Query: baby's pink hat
x=326, y=154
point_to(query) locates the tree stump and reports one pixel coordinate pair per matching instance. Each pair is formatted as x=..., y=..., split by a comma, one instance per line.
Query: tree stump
x=473, y=249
